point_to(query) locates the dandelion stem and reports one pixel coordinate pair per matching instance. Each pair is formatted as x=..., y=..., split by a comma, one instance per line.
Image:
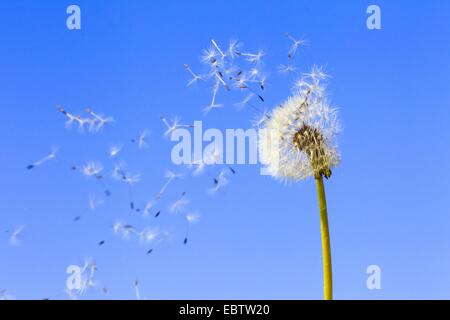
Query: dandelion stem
x=325, y=234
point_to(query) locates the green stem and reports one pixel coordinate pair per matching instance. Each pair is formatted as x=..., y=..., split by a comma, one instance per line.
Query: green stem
x=326, y=247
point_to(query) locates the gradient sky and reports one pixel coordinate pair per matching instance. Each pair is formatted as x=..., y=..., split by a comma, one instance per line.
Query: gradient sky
x=258, y=238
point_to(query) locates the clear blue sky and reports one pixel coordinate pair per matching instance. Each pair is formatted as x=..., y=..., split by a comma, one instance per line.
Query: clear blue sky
x=388, y=201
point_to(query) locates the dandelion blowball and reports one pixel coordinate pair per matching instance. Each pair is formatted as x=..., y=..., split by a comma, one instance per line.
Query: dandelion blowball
x=298, y=140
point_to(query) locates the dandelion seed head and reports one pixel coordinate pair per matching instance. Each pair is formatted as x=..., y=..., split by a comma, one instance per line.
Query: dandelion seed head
x=299, y=139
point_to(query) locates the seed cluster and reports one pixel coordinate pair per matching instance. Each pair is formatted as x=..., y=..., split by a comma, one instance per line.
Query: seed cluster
x=310, y=141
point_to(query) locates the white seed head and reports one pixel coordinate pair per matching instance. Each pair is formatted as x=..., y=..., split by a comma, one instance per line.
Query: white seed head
x=299, y=139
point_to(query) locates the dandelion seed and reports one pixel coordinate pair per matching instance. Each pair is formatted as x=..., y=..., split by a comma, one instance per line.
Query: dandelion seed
x=4, y=296
x=175, y=125
x=179, y=205
x=130, y=179
x=199, y=167
x=233, y=49
x=50, y=156
x=70, y=118
x=219, y=78
x=148, y=235
x=82, y=122
x=195, y=77
x=191, y=218
x=94, y=203
x=136, y=288
x=125, y=230
x=245, y=101
x=142, y=140
x=114, y=151
x=220, y=181
x=286, y=68
x=147, y=208
x=254, y=58
x=295, y=45
x=100, y=121
x=262, y=83
x=16, y=234
x=170, y=176
x=218, y=48
x=92, y=169
x=316, y=74
x=261, y=119
x=213, y=105
x=209, y=56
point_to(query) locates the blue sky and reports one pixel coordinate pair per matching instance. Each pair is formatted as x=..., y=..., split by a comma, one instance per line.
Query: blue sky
x=257, y=238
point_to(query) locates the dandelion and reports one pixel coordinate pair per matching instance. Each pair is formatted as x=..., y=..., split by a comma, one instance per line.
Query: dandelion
x=299, y=141
x=50, y=156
